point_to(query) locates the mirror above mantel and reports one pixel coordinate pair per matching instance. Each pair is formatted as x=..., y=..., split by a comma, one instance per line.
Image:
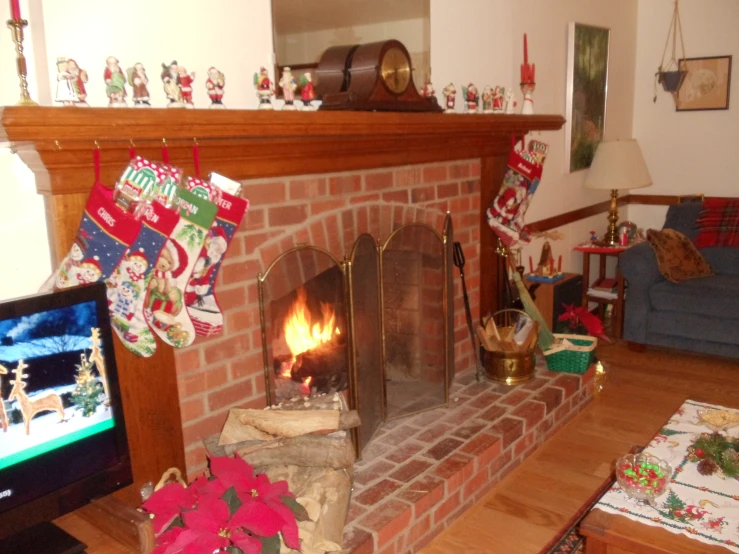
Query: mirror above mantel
x=304, y=29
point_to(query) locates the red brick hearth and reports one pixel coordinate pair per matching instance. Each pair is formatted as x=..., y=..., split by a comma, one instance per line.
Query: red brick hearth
x=329, y=211
x=420, y=473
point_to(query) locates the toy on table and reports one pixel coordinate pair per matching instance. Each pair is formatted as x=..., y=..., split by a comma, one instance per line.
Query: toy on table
x=264, y=89
x=214, y=84
x=288, y=86
x=471, y=97
x=450, y=98
x=307, y=92
x=115, y=81
x=138, y=82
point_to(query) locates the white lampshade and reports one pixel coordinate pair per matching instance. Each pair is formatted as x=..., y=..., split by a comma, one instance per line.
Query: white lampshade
x=618, y=164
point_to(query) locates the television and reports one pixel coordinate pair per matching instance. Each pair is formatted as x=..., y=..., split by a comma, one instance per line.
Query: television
x=62, y=428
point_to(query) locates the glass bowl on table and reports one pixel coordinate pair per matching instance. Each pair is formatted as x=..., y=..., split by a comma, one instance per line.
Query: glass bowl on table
x=718, y=419
x=642, y=476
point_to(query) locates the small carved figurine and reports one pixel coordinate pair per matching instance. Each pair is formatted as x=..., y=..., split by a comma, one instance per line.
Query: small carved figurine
x=138, y=82
x=471, y=97
x=64, y=86
x=288, y=86
x=184, y=80
x=498, y=100
x=264, y=89
x=214, y=85
x=79, y=78
x=116, y=83
x=450, y=97
x=307, y=91
x=487, y=100
x=171, y=82
x=510, y=102
x=528, y=98
x=428, y=89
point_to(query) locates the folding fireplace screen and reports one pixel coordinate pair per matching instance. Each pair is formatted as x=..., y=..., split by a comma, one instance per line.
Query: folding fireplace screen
x=375, y=327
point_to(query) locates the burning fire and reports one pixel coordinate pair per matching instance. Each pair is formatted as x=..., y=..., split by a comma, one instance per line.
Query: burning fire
x=301, y=333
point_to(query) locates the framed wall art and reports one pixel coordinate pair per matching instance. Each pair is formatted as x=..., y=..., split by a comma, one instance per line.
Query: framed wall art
x=587, y=87
x=707, y=84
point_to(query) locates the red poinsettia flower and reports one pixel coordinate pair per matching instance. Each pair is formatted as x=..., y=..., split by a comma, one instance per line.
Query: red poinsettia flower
x=581, y=316
x=265, y=496
x=167, y=503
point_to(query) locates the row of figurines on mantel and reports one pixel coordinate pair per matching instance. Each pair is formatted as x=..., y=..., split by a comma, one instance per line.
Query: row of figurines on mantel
x=496, y=100
x=177, y=83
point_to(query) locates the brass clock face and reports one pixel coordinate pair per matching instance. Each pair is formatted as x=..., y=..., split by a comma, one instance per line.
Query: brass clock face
x=396, y=70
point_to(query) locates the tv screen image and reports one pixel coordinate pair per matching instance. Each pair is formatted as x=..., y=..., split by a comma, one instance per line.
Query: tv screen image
x=54, y=382
x=62, y=427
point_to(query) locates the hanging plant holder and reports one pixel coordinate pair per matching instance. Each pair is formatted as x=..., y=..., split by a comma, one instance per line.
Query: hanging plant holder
x=670, y=73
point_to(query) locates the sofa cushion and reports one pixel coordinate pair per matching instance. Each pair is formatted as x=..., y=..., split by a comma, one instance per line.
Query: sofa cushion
x=718, y=223
x=677, y=258
x=716, y=296
x=722, y=259
x=693, y=327
x=681, y=217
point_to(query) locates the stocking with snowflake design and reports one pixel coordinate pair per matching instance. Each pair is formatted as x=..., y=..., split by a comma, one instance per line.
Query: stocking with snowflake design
x=164, y=305
x=127, y=284
x=104, y=235
x=200, y=297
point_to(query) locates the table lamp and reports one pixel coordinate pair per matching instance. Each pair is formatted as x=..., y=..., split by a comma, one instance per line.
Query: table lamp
x=618, y=164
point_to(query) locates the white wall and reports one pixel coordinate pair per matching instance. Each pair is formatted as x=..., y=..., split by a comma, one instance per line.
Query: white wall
x=477, y=41
x=687, y=152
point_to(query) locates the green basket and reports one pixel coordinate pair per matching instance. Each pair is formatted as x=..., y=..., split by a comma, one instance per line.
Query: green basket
x=574, y=358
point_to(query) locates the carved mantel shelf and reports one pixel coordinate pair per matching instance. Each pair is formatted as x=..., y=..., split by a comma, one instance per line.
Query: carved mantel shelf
x=56, y=143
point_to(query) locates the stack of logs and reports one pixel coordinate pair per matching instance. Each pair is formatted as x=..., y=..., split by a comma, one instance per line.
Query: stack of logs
x=306, y=442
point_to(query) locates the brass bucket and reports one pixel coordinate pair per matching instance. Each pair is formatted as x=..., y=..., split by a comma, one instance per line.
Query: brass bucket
x=510, y=368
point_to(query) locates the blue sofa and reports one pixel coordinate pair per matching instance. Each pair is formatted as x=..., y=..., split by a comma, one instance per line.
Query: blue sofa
x=701, y=314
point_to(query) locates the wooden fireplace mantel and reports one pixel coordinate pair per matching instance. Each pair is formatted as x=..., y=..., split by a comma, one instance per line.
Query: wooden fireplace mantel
x=57, y=144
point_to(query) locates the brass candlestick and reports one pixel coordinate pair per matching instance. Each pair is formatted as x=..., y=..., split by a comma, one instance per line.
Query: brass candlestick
x=16, y=31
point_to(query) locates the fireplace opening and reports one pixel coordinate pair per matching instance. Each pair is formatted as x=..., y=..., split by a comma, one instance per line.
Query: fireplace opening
x=375, y=328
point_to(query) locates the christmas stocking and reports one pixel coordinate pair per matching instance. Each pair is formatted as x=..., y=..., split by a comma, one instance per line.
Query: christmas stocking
x=127, y=284
x=104, y=235
x=200, y=297
x=505, y=214
x=164, y=305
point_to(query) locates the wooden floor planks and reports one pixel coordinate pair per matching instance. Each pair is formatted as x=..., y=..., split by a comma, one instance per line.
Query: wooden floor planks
x=641, y=391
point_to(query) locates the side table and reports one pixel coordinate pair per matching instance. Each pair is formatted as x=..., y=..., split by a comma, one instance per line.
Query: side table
x=618, y=302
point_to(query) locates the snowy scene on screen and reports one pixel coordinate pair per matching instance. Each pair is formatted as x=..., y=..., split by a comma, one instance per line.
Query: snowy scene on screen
x=53, y=386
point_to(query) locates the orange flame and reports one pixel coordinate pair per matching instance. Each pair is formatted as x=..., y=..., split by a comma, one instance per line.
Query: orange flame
x=307, y=381
x=301, y=333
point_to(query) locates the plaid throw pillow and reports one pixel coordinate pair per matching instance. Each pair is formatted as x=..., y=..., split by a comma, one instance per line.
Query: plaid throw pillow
x=718, y=223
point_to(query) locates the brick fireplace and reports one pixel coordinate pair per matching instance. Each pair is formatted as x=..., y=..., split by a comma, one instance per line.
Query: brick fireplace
x=323, y=179
x=328, y=211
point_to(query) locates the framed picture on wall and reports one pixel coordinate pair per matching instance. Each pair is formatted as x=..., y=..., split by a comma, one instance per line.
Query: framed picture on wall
x=707, y=84
x=587, y=87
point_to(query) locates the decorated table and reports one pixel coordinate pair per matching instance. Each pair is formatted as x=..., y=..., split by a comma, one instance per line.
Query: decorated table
x=701, y=502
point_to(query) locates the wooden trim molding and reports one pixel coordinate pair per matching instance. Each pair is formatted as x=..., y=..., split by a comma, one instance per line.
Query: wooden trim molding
x=566, y=218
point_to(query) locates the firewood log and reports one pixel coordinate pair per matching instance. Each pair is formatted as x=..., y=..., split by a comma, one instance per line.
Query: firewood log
x=333, y=451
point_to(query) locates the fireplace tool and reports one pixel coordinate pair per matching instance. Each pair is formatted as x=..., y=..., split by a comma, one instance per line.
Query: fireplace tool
x=459, y=262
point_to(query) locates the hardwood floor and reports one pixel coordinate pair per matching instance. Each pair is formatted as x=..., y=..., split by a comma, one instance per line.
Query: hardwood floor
x=640, y=392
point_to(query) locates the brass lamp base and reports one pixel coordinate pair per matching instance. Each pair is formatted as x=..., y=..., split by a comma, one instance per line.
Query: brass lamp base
x=611, y=236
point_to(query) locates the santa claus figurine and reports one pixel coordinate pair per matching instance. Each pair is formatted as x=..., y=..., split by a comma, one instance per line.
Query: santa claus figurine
x=138, y=80
x=214, y=85
x=116, y=83
x=185, y=81
x=307, y=92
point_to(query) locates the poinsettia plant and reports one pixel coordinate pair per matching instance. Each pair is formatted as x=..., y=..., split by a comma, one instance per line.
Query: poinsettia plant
x=580, y=321
x=232, y=510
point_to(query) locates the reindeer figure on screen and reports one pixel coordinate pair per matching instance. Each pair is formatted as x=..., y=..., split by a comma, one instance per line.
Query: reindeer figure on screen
x=96, y=356
x=51, y=402
x=3, y=415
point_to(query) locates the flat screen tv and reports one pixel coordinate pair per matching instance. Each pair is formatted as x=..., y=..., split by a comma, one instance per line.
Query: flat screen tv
x=62, y=430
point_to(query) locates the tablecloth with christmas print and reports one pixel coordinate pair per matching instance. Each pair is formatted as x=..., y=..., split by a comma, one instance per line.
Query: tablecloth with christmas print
x=702, y=507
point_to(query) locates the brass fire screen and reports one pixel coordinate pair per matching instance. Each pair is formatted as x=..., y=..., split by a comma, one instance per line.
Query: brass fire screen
x=376, y=328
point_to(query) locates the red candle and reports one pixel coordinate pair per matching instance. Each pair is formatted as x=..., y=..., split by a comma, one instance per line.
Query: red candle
x=559, y=264
x=15, y=9
x=525, y=49
x=531, y=264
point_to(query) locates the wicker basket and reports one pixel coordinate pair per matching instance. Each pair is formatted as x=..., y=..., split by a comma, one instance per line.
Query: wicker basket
x=571, y=358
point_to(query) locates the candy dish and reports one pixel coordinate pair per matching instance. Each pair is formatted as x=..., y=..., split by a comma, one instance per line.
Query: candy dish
x=718, y=420
x=643, y=476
